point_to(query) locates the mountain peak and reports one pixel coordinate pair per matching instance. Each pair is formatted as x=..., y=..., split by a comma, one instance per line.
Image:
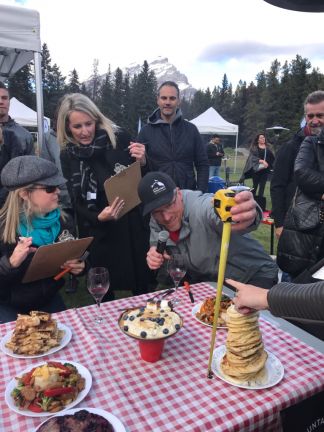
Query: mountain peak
x=165, y=71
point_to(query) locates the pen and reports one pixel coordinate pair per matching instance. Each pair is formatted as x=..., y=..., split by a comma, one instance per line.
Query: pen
x=67, y=269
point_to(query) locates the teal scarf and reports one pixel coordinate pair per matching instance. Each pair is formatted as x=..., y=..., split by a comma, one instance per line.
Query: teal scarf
x=43, y=229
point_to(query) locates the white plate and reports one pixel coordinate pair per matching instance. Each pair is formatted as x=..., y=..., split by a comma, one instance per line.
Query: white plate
x=114, y=421
x=274, y=367
x=83, y=371
x=195, y=309
x=64, y=341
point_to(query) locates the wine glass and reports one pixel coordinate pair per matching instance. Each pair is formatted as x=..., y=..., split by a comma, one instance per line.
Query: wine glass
x=98, y=285
x=176, y=269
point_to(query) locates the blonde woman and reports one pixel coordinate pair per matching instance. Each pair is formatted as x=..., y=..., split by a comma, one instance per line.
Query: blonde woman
x=93, y=149
x=29, y=218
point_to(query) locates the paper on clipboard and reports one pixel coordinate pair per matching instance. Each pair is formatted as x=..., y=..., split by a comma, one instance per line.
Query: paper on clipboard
x=124, y=185
x=48, y=259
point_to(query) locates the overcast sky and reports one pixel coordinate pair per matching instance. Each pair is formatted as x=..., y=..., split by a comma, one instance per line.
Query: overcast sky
x=204, y=41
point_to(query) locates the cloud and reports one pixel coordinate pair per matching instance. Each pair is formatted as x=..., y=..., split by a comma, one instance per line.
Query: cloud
x=256, y=51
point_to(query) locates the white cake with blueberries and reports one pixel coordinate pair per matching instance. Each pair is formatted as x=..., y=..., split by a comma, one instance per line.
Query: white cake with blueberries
x=153, y=321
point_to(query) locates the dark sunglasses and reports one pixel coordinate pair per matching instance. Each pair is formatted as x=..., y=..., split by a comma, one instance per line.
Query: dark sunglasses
x=318, y=115
x=47, y=189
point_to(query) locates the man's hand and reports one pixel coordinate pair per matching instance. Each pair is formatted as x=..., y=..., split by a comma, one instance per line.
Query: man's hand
x=244, y=212
x=111, y=212
x=23, y=248
x=154, y=259
x=249, y=298
x=137, y=150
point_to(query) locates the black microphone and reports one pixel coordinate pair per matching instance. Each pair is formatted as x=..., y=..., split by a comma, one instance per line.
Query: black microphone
x=162, y=240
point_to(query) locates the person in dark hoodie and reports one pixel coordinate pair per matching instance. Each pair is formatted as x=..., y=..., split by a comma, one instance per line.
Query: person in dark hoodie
x=174, y=145
x=283, y=184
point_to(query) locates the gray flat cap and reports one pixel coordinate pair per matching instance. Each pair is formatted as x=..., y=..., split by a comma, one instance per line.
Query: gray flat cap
x=24, y=170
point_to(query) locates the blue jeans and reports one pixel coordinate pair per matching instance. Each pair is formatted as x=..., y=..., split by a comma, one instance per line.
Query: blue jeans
x=214, y=170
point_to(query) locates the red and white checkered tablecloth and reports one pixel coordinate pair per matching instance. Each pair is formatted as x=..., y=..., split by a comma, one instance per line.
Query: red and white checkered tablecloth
x=174, y=393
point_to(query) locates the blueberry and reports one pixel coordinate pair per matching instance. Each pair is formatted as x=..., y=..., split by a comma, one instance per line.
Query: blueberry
x=142, y=308
x=177, y=326
x=161, y=321
x=125, y=328
x=165, y=331
x=125, y=317
x=142, y=319
x=143, y=334
x=131, y=318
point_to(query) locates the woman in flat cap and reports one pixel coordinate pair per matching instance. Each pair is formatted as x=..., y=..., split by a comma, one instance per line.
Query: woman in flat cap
x=30, y=218
x=94, y=149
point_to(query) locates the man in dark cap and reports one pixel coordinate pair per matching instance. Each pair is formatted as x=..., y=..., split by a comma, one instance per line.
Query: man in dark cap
x=195, y=232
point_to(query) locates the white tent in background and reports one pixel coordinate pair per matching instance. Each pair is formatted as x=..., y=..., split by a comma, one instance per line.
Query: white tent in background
x=25, y=116
x=19, y=44
x=210, y=122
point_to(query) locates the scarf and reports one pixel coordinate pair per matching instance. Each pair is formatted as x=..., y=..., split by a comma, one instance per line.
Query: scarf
x=83, y=178
x=43, y=229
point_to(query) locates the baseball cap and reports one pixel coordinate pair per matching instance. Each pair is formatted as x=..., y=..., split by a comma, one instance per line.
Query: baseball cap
x=25, y=170
x=155, y=190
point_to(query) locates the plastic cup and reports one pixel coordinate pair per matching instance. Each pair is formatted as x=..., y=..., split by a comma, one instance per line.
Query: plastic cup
x=151, y=350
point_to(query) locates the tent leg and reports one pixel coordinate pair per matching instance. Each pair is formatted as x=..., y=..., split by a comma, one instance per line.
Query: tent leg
x=39, y=101
x=235, y=157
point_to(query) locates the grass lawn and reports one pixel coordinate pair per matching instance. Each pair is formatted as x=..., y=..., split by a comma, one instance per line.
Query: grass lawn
x=82, y=298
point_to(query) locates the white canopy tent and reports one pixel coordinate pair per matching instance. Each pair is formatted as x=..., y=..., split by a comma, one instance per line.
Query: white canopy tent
x=19, y=44
x=24, y=115
x=210, y=122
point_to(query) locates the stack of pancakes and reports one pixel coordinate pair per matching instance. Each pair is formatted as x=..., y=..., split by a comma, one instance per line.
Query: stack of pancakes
x=34, y=334
x=245, y=357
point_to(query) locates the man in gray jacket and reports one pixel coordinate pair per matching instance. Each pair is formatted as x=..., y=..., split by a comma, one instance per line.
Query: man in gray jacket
x=17, y=141
x=195, y=231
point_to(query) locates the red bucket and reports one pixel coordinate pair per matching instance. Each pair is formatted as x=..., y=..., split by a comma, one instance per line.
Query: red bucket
x=151, y=350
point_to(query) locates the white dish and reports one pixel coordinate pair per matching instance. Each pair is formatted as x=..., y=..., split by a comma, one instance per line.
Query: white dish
x=274, y=367
x=196, y=309
x=114, y=421
x=83, y=371
x=64, y=341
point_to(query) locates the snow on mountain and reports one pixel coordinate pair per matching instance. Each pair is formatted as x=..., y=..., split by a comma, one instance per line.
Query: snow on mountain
x=165, y=71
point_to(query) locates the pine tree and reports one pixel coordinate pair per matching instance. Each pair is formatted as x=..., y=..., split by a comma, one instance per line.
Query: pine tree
x=20, y=86
x=74, y=85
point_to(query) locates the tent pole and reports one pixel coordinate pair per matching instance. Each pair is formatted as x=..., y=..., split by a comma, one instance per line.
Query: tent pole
x=39, y=101
x=235, y=157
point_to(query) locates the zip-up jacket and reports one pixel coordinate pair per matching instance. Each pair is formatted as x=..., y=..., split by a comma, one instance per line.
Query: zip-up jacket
x=176, y=149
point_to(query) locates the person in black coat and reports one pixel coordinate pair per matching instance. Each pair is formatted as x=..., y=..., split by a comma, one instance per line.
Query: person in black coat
x=173, y=144
x=93, y=150
x=283, y=183
x=30, y=218
x=286, y=300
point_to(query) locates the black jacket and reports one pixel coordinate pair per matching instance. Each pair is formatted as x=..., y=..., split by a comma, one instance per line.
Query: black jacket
x=120, y=245
x=283, y=184
x=309, y=166
x=289, y=300
x=212, y=149
x=15, y=143
x=25, y=296
x=176, y=149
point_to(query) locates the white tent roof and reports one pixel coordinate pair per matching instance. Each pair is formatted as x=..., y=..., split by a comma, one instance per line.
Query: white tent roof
x=19, y=38
x=23, y=115
x=210, y=122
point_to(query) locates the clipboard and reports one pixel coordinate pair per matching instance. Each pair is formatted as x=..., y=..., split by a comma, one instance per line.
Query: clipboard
x=48, y=259
x=124, y=185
